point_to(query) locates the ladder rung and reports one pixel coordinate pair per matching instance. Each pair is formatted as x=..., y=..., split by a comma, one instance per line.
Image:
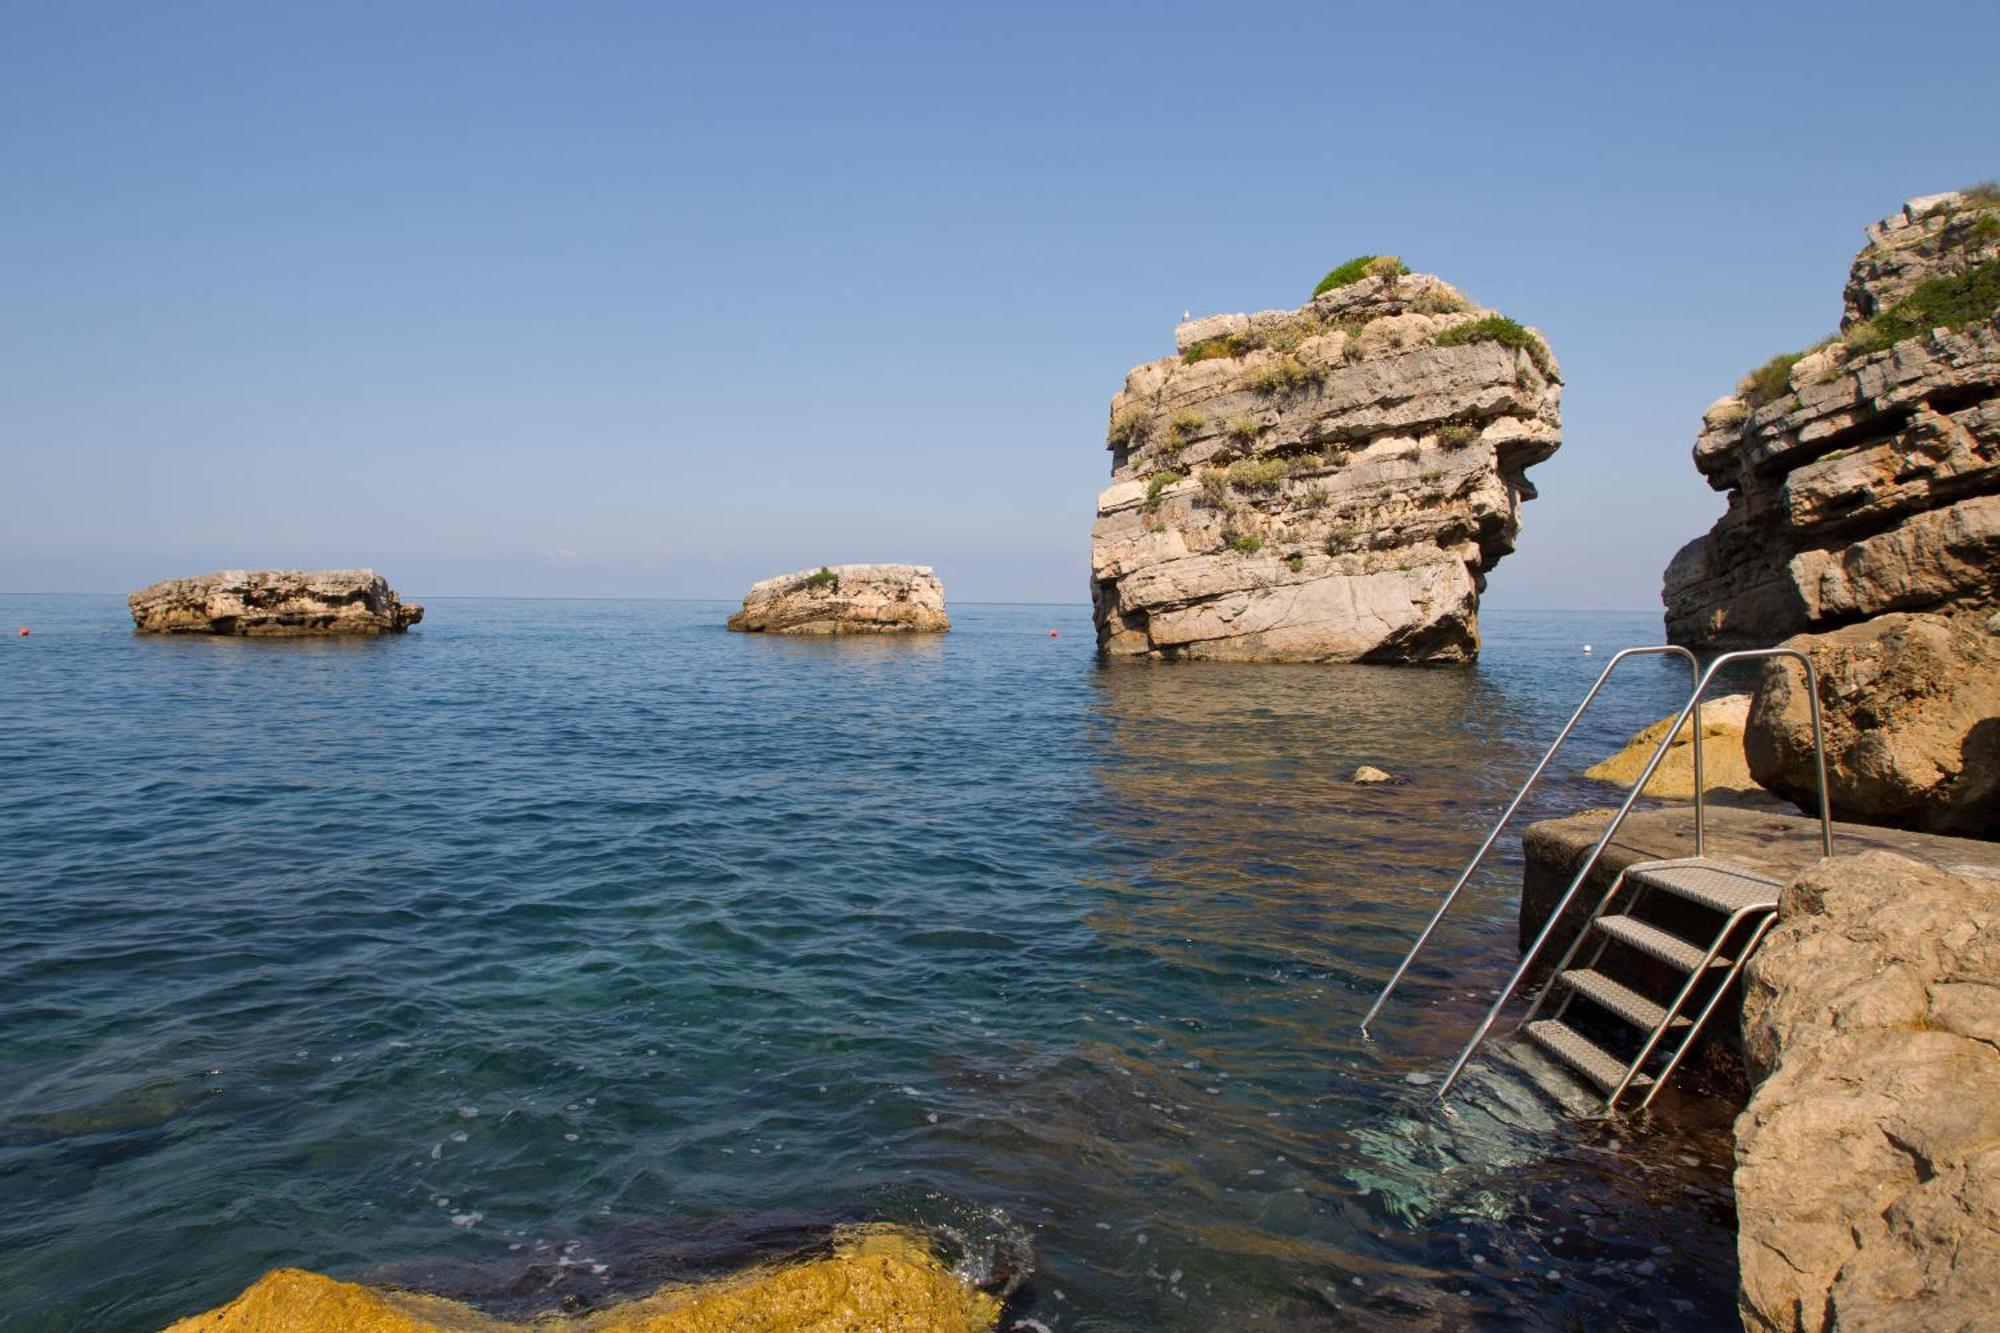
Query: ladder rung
x=1721, y=886
x=1628, y=1004
x=1582, y=1054
x=1663, y=945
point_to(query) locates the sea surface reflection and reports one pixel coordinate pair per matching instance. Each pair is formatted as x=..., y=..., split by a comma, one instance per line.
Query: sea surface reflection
x=561, y=948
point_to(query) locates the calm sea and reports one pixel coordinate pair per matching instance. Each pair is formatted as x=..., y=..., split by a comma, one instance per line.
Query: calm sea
x=561, y=948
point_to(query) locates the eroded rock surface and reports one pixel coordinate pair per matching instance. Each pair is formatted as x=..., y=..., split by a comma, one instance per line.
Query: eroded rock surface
x=1863, y=477
x=876, y=1278
x=1326, y=484
x=272, y=602
x=1723, y=766
x=1868, y=1159
x=1911, y=712
x=846, y=599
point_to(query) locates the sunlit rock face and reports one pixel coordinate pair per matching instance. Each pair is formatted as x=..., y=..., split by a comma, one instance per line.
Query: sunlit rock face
x=875, y=1278
x=274, y=603
x=1864, y=476
x=846, y=599
x=1327, y=484
x=1868, y=1159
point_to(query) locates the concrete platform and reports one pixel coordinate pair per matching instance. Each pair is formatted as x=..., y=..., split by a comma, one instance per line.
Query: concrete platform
x=1768, y=842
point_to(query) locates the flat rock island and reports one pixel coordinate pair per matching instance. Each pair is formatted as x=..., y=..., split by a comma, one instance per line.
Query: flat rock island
x=846, y=599
x=274, y=603
x=1327, y=484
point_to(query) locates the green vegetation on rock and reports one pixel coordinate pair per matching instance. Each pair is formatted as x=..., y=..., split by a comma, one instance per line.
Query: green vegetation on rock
x=1353, y=271
x=1162, y=479
x=1770, y=380
x=1938, y=303
x=1286, y=375
x=826, y=578
x=1248, y=474
x=1130, y=426
x=1245, y=542
x=1502, y=330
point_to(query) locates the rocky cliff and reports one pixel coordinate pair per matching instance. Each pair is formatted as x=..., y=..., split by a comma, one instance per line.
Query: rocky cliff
x=1863, y=474
x=1327, y=484
x=274, y=603
x=1864, y=530
x=846, y=599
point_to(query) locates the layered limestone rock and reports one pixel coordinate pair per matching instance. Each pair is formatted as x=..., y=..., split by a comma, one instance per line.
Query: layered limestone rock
x=1863, y=475
x=1868, y=1159
x=876, y=1278
x=846, y=599
x=1328, y=484
x=272, y=602
x=1910, y=708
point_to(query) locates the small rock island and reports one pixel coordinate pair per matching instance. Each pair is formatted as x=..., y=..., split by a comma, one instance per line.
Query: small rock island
x=274, y=603
x=846, y=599
x=1327, y=484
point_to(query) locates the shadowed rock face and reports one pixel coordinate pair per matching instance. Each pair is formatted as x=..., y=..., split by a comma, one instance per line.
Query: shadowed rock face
x=1868, y=1159
x=1328, y=484
x=846, y=599
x=274, y=603
x=1867, y=481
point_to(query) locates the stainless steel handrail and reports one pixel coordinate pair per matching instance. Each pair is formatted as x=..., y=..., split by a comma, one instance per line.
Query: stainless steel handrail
x=1694, y=670
x=1691, y=710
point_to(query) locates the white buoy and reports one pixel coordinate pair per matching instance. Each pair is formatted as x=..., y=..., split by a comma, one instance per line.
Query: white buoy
x=1586, y=648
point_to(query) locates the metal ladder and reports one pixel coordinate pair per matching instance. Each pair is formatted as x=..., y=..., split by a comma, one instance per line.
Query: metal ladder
x=1631, y=955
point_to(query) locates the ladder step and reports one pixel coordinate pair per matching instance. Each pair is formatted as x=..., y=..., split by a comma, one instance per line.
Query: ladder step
x=1649, y=939
x=1721, y=886
x=1628, y=1004
x=1582, y=1054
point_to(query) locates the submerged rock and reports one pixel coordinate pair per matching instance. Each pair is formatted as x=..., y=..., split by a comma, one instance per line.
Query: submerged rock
x=1723, y=766
x=1368, y=775
x=846, y=599
x=272, y=602
x=1328, y=484
x=1868, y=1160
x=1910, y=707
x=876, y=1278
x=1863, y=475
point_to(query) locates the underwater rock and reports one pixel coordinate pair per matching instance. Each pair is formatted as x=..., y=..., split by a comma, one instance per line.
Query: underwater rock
x=1368, y=775
x=877, y=1277
x=846, y=599
x=274, y=603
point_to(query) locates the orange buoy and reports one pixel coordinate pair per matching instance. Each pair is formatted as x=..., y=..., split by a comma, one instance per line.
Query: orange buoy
x=1052, y=634
x=24, y=631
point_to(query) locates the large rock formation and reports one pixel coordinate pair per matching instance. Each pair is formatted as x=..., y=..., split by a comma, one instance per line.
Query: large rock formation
x=1326, y=484
x=1864, y=474
x=845, y=599
x=1864, y=490
x=1868, y=1160
x=274, y=603
x=1911, y=715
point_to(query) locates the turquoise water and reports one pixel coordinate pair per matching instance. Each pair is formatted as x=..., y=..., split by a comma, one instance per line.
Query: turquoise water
x=561, y=948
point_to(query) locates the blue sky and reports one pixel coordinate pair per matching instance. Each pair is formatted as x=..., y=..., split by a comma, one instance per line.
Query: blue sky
x=627, y=299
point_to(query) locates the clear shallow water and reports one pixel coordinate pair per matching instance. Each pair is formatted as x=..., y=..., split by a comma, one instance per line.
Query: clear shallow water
x=561, y=948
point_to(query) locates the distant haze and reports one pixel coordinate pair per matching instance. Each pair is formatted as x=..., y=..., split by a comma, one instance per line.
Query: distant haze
x=623, y=300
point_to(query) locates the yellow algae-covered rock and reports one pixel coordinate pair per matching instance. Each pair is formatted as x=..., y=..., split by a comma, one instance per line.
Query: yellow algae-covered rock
x=876, y=1278
x=1723, y=766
